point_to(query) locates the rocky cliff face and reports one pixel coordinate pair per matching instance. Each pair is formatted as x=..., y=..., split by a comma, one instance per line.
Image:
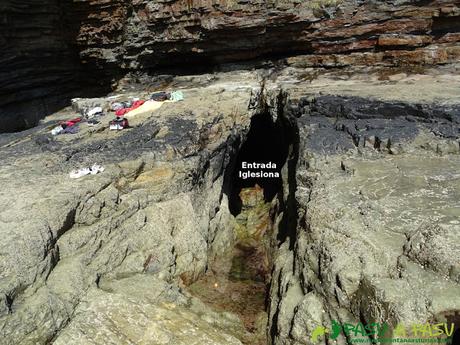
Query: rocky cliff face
x=57, y=49
x=144, y=35
x=40, y=64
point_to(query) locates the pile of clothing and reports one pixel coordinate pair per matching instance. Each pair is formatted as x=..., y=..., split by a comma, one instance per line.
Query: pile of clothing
x=93, y=170
x=96, y=111
x=67, y=127
x=71, y=126
x=121, y=109
x=121, y=105
x=160, y=96
x=91, y=116
x=167, y=96
x=134, y=105
x=137, y=106
x=119, y=123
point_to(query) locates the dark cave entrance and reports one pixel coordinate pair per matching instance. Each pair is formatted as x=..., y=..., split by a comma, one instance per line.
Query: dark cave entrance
x=275, y=141
x=456, y=337
x=267, y=142
x=453, y=318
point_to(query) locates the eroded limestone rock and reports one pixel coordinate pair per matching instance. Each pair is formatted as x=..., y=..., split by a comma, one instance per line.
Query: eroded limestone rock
x=365, y=228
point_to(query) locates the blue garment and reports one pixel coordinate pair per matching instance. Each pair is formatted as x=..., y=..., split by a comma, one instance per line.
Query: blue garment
x=71, y=130
x=176, y=96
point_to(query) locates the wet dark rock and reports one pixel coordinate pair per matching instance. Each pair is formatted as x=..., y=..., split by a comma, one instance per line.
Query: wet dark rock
x=364, y=108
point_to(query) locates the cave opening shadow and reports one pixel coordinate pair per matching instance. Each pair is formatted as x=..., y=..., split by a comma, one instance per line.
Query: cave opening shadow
x=456, y=337
x=266, y=142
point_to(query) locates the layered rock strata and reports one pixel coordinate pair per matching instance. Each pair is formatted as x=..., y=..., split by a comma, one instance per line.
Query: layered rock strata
x=56, y=49
x=142, y=35
x=40, y=68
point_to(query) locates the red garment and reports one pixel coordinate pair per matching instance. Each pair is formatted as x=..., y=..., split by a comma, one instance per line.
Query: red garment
x=121, y=112
x=70, y=123
x=121, y=123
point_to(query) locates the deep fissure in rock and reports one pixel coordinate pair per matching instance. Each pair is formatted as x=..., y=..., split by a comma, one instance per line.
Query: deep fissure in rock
x=239, y=281
x=456, y=337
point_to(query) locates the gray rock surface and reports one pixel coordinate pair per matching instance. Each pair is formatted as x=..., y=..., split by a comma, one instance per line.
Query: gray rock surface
x=366, y=219
x=378, y=212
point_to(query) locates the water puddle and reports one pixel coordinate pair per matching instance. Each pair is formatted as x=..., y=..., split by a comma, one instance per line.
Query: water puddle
x=238, y=282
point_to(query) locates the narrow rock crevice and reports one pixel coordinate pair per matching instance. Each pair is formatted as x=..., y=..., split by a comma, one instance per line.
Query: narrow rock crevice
x=264, y=216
